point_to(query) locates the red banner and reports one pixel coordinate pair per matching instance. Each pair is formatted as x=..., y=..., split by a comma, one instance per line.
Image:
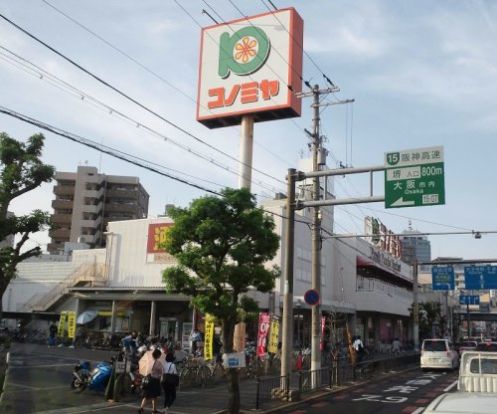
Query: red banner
x=323, y=325
x=264, y=323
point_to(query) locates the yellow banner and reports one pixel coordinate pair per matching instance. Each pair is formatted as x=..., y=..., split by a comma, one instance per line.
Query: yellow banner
x=208, y=337
x=62, y=324
x=274, y=337
x=71, y=324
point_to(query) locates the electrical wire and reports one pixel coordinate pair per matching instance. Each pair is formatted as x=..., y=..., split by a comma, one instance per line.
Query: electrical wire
x=99, y=147
x=128, y=97
x=80, y=94
x=138, y=63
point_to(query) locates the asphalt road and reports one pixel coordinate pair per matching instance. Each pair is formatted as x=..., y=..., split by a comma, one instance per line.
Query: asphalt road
x=405, y=393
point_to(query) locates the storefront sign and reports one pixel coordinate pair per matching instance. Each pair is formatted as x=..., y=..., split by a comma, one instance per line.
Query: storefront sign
x=239, y=337
x=157, y=234
x=274, y=336
x=71, y=325
x=385, y=260
x=62, y=324
x=234, y=360
x=264, y=322
x=251, y=66
x=209, y=337
x=381, y=236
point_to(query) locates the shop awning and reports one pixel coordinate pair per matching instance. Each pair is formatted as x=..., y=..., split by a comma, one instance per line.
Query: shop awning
x=86, y=317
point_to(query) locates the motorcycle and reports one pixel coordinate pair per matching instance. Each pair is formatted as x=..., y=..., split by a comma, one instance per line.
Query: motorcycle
x=94, y=379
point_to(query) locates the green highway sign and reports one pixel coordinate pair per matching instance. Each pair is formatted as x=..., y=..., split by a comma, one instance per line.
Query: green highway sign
x=414, y=178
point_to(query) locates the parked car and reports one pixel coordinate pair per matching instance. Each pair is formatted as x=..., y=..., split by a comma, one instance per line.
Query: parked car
x=438, y=353
x=487, y=346
x=467, y=346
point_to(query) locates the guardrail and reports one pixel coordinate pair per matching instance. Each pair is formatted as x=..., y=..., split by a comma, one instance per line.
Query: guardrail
x=339, y=373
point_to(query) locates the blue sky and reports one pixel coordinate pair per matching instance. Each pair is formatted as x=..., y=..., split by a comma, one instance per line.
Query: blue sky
x=422, y=73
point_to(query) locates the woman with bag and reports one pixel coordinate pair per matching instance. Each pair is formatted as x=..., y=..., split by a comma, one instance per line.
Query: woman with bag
x=170, y=381
x=151, y=383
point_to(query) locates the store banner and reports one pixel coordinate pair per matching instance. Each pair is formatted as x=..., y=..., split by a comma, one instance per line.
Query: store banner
x=209, y=337
x=323, y=325
x=239, y=337
x=264, y=322
x=62, y=324
x=71, y=325
x=274, y=336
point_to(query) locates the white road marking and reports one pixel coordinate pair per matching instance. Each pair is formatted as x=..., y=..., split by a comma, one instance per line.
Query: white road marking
x=419, y=410
x=451, y=386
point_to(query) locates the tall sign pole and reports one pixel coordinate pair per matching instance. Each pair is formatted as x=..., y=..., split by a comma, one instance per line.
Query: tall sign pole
x=246, y=151
x=316, y=237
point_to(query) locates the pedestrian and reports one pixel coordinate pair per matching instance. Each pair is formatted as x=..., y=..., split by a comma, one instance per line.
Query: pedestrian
x=152, y=389
x=52, y=332
x=396, y=346
x=359, y=348
x=170, y=381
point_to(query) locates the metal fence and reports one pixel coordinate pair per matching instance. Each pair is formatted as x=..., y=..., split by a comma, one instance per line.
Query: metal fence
x=339, y=373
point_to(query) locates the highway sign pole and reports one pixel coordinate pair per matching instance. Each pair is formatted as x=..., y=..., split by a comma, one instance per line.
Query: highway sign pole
x=415, y=307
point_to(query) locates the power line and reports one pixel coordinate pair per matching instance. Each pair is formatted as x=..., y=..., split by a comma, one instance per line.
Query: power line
x=128, y=97
x=328, y=80
x=136, y=61
x=52, y=79
x=99, y=147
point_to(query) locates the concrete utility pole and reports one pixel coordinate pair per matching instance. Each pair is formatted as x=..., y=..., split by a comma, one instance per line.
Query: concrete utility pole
x=316, y=236
x=287, y=322
x=415, y=307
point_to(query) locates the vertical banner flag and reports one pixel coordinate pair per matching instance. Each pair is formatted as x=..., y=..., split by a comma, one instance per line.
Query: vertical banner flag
x=323, y=325
x=71, y=325
x=62, y=324
x=274, y=336
x=239, y=337
x=264, y=320
x=209, y=337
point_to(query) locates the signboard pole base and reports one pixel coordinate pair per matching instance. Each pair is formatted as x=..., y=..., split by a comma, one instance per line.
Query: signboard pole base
x=246, y=151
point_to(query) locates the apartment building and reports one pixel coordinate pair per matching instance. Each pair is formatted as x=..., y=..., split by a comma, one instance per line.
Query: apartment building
x=86, y=201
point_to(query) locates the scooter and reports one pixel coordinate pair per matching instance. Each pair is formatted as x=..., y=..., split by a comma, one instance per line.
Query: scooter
x=95, y=379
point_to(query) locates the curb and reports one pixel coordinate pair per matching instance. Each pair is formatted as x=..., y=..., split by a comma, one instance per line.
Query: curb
x=323, y=394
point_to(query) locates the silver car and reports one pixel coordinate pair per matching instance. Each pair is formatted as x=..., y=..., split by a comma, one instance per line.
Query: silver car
x=438, y=353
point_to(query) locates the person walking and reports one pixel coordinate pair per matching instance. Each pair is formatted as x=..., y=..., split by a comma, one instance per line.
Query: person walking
x=152, y=390
x=170, y=381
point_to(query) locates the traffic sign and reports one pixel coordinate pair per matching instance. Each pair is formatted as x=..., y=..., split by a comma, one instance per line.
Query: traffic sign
x=311, y=297
x=469, y=300
x=480, y=277
x=414, y=178
x=443, y=277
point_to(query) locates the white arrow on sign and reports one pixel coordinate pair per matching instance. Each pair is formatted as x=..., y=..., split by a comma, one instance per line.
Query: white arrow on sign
x=400, y=202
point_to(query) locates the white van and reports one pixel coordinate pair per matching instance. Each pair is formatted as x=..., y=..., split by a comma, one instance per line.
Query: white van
x=438, y=353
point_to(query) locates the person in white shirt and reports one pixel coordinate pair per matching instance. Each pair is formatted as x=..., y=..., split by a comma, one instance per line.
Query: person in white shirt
x=169, y=389
x=359, y=347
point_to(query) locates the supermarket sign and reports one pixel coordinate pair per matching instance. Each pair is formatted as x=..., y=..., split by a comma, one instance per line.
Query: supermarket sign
x=251, y=66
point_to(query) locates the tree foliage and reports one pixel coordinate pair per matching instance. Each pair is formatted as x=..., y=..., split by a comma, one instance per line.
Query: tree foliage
x=430, y=314
x=21, y=170
x=221, y=245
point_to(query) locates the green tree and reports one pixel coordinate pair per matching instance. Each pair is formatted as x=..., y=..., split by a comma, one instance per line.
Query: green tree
x=221, y=245
x=430, y=314
x=21, y=171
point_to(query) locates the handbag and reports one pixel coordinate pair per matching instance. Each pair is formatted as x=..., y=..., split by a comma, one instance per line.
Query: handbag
x=170, y=379
x=146, y=380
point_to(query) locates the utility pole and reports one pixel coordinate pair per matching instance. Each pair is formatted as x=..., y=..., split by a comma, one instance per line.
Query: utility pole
x=318, y=159
x=415, y=308
x=287, y=320
x=316, y=236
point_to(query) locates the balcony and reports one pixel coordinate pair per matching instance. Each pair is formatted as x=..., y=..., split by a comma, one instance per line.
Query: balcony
x=62, y=204
x=59, y=219
x=114, y=193
x=63, y=190
x=60, y=234
x=121, y=208
x=92, y=208
x=91, y=223
x=94, y=193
